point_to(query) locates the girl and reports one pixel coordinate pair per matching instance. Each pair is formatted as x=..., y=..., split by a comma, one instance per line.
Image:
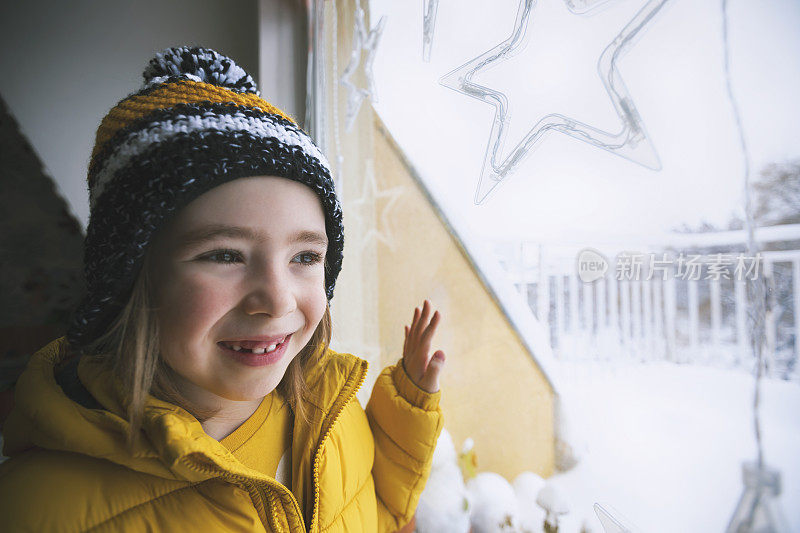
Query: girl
x=196, y=389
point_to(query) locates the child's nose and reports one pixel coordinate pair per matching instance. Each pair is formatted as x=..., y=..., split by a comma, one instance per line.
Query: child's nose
x=269, y=294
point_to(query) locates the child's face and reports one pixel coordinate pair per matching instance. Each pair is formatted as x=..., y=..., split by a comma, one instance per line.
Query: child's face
x=242, y=262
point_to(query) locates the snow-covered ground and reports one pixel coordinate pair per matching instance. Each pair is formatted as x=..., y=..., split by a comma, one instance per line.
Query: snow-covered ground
x=662, y=444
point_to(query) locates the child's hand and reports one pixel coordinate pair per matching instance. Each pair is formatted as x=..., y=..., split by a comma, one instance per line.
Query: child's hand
x=422, y=368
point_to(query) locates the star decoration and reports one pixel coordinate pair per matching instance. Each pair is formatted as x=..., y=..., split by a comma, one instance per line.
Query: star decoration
x=429, y=8
x=580, y=7
x=370, y=194
x=609, y=523
x=362, y=41
x=631, y=143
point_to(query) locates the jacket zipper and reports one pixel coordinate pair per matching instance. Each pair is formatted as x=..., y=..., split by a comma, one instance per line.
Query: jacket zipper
x=337, y=411
x=252, y=489
x=252, y=486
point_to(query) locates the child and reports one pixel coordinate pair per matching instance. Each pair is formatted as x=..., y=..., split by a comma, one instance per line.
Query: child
x=196, y=390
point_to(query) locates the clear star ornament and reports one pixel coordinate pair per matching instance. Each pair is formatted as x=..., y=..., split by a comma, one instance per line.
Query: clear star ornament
x=631, y=142
x=363, y=41
x=429, y=9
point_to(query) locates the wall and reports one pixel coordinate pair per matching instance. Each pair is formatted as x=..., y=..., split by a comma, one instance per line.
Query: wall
x=399, y=250
x=282, y=45
x=65, y=64
x=493, y=391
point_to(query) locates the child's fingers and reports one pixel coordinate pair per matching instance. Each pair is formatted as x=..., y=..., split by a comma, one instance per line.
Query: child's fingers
x=418, y=337
x=426, y=311
x=430, y=379
x=427, y=334
x=422, y=319
x=425, y=339
x=414, y=322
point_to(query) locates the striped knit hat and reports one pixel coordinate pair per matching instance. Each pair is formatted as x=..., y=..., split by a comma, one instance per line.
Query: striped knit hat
x=197, y=122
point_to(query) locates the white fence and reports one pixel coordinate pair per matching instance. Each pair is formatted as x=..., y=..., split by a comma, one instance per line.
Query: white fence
x=660, y=313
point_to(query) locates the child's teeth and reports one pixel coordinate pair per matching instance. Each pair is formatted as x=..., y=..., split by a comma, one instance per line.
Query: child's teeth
x=258, y=351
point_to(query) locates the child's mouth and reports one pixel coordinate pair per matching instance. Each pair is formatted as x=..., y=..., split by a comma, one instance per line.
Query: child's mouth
x=255, y=353
x=254, y=347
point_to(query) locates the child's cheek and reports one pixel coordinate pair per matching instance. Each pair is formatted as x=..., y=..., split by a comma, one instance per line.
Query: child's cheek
x=317, y=302
x=194, y=302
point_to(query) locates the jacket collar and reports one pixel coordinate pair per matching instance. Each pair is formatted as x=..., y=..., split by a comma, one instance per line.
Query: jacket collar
x=174, y=444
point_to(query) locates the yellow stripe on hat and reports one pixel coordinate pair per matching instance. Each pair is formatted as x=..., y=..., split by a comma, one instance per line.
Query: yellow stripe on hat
x=169, y=95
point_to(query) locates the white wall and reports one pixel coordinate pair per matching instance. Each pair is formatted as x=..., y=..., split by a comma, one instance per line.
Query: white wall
x=283, y=46
x=63, y=65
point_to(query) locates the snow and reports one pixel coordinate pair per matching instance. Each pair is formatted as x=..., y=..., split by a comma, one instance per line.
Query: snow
x=660, y=448
x=532, y=333
x=444, y=504
x=494, y=503
x=659, y=445
x=527, y=486
x=665, y=444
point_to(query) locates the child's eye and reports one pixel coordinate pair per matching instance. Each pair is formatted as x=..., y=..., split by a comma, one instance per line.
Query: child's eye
x=224, y=256
x=307, y=258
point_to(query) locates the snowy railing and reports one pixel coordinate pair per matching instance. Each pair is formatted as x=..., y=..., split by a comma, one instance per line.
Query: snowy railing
x=671, y=305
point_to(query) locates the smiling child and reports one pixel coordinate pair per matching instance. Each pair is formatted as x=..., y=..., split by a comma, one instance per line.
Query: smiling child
x=196, y=389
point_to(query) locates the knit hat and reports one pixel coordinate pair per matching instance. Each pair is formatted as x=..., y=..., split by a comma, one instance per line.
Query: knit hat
x=197, y=122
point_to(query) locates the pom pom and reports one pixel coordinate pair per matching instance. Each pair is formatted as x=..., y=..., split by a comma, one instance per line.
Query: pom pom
x=198, y=64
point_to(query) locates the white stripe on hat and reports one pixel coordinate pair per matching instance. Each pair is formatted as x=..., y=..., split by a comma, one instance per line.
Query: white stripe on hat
x=161, y=131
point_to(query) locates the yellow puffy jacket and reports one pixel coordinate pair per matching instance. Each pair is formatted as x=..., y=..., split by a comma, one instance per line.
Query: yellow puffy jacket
x=70, y=469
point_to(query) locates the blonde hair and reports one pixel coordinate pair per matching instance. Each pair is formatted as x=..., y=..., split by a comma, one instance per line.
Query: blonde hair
x=130, y=348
